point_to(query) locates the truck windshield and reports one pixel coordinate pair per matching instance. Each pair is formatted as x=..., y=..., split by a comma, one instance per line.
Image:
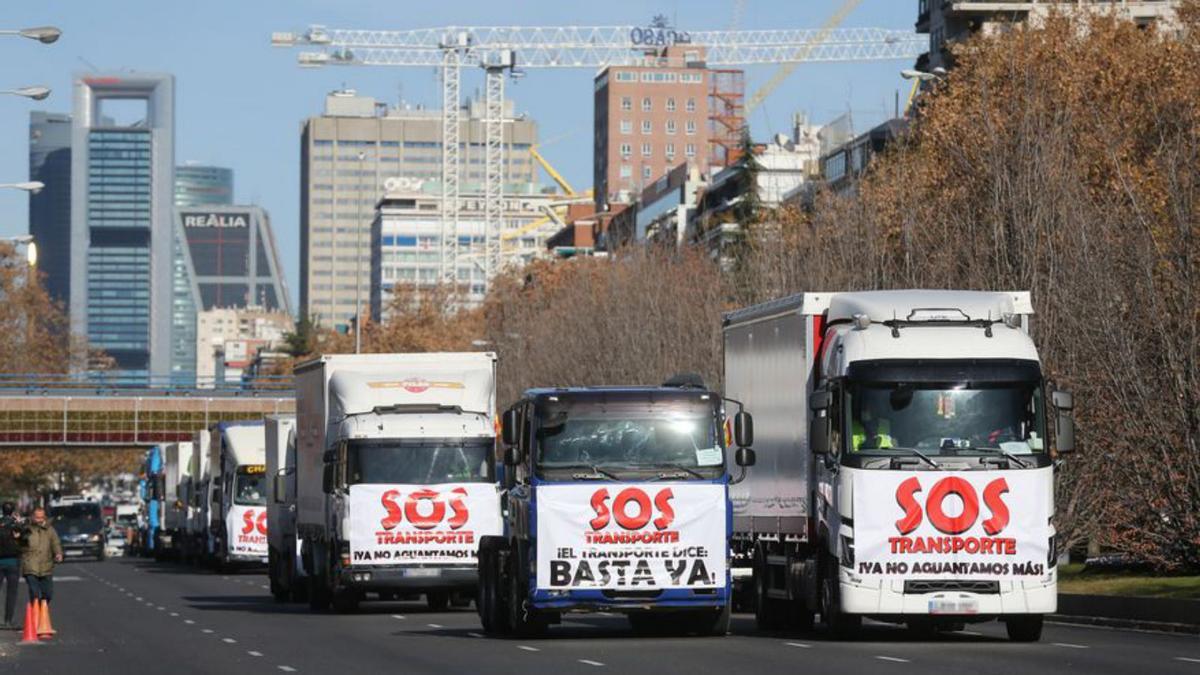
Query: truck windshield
x=250, y=485
x=940, y=419
x=77, y=518
x=631, y=437
x=426, y=462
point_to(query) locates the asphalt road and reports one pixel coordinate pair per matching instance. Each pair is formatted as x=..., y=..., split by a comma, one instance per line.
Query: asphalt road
x=136, y=616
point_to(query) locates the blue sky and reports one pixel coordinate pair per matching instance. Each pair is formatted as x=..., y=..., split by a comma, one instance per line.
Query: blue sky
x=240, y=103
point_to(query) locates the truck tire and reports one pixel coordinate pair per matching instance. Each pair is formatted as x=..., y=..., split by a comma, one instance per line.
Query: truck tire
x=768, y=612
x=522, y=621
x=840, y=626
x=345, y=600
x=278, y=591
x=493, y=613
x=719, y=624
x=318, y=593
x=1024, y=628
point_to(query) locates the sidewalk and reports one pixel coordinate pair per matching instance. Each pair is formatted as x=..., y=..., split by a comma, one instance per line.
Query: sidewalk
x=1161, y=614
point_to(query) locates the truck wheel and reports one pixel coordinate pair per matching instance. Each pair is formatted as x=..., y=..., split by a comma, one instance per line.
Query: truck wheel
x=437, y=601
x=768, y=612
x=1024, y=628
x=841, y=626
x=719, y=625
x=345, y=600
x=318, y=593
x=522, y=620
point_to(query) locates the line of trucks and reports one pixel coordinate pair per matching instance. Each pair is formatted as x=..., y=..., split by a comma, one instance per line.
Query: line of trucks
x=898, y=467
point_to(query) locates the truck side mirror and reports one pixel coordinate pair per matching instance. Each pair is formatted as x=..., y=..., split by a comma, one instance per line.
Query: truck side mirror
x=743, y=430
x=819, y=400
x=509, y=423
x=327, y=478
x=1064, y=422
x=744, y=457
x=280, y=487
x=512, y=455
x=819, y=430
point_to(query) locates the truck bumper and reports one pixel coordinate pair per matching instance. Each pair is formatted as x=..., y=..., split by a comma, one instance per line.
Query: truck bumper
x=83, y=549
x=608, y=601
x=411, y=578
x=882, y=598
x=248, y=559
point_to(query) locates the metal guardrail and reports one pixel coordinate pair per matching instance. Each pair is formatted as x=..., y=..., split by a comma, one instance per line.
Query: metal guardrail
x=99, y=384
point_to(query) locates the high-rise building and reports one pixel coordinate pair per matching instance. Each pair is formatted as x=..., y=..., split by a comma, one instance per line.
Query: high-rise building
x=406, y=241
x=203, y=185
x=950, y=22
x=229, y=340
x=50, y=209
x=668, y=109
x=226, y=259
x=346, y=156
x=122, y=177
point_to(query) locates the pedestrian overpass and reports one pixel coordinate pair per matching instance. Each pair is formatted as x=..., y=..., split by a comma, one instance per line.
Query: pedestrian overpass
x=41, y=411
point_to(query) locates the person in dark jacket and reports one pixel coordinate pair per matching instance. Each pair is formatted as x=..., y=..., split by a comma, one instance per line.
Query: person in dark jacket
x=42, y=550
x=10, y=561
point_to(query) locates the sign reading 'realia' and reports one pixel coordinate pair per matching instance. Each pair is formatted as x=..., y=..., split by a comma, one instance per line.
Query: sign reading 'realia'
x=971, y=524
x=439, y=524
x=212, y=219
x=643, y=536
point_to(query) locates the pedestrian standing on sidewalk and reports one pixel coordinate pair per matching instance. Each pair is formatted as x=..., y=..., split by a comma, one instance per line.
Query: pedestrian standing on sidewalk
x=42, y=550
x=10, y=561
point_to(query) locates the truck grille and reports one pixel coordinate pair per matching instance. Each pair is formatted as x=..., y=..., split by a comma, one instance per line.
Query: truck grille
x=915, y=587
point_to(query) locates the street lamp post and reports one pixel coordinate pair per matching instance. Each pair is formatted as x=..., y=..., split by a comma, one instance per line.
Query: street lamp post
x=919, y=76
x=43, y=34
x=32, y=187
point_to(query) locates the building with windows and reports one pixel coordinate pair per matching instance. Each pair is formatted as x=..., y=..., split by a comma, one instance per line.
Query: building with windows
x=950, y=21
x=226, y=260
x=230, y=341
x=668, y=109
x=348, y=153
x=406, y=240
x=50, y=209
x=843, y=163
x=202, y=185
x=122, y=201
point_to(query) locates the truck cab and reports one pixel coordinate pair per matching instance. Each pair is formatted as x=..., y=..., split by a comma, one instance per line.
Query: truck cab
x=616, y=500
x=239, y=494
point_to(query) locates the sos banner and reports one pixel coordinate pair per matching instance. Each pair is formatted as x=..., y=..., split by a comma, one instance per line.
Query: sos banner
x=942, y=524
x=246, y=530
x=398, y=524
x=637, y=537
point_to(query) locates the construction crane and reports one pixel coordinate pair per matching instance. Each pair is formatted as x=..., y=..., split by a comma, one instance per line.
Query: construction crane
x=501, y=50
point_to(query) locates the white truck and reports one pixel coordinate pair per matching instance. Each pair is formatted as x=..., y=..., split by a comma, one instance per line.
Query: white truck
x=238, y=508
x=196, y=546
x=284, y=567
x=395, y=474
x=904, y=472
x=177, y=479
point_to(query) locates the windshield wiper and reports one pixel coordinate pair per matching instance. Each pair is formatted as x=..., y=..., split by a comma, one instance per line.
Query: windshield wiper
x=917, y=453
x=678, y=467
x=596, y=473
x=1000, y=451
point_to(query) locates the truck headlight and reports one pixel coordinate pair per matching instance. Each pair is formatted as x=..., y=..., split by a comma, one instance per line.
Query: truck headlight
x=94, y=537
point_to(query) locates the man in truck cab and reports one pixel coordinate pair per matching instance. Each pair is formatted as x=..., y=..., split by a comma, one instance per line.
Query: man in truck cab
x=867, y=432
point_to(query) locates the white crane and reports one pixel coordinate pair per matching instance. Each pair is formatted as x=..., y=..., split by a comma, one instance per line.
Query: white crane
x=497, y=49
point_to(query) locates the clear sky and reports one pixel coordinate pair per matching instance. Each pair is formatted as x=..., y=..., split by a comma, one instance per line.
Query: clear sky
x=240, y=102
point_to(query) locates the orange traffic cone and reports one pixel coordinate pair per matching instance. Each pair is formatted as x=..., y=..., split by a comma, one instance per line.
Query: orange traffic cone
x=45, y=631
x=29, y=634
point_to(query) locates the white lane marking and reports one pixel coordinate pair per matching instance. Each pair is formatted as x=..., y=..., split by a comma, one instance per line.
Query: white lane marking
x=1068, y=645
x=399, y=616
x=229, y=641
x=435, y=625
x=137, y=599
x=476, y=635
x=161, y=608
x=254, y=653
x=265, y=588
x=225, y=578
x=174, y=613
x=206, y=630
x=287, y=669
x=589, y=662
x=1187, y=658
x=893, y=659
x=528, y=648
x=797, y=644
x=189, y=622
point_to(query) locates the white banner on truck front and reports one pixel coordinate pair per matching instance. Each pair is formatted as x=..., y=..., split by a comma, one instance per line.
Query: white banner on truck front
x=986, y=525
x=642, y=536
x=439, y=524
x=246, y=531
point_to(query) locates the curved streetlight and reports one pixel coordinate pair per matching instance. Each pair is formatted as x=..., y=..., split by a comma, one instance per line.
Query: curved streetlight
x=32, y=187
x=36, y=93
x=938, y=73
x=43, y=34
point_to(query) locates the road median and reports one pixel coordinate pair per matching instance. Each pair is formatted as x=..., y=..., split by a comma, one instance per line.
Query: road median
x=1172, y=615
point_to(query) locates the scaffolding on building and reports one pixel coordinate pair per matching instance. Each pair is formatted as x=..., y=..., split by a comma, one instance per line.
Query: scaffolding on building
x=726, y=116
